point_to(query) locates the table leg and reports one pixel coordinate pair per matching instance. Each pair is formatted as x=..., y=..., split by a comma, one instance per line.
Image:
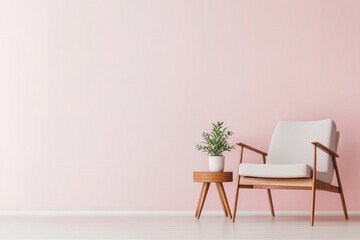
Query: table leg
x=199, y=202
x=207, y=184
x=221, y=198
x=225, y=199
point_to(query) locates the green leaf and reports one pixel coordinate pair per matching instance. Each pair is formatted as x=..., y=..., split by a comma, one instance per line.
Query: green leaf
x=215, y=142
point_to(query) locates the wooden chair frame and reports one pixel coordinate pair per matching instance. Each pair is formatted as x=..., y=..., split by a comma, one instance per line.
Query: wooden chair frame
x=312, y=184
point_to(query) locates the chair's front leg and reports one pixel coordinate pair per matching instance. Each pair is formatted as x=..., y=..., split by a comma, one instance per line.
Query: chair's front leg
x=312, y=205
x=236, y=197
x=237, y=184
x=313, y=189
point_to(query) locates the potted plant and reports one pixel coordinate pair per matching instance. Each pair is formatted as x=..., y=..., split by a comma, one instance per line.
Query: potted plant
x=215, y=143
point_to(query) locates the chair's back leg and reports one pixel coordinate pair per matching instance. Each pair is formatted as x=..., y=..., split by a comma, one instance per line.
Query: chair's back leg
x=340, y=188
x=343, y=204
x=269, y=193
x=271, y=203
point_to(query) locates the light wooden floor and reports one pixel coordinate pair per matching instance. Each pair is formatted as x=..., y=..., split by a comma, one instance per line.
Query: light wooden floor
x=176, y=227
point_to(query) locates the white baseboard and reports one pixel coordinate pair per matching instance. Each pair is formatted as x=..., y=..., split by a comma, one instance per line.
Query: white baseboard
x=160, y=213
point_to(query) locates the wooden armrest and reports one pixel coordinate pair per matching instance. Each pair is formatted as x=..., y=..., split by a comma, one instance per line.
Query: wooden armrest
x=251, y=148
x=322, y=147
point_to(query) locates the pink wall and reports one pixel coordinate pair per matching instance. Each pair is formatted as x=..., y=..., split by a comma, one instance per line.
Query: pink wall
x=102, y=102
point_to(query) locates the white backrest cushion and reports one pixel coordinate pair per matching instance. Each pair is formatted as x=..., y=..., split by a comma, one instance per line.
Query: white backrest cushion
x=291, y=143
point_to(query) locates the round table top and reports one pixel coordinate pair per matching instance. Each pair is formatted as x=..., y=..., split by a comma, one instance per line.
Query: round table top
x=212, y=176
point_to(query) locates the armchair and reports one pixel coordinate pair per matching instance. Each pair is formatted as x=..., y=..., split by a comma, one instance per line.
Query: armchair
x=294, y=162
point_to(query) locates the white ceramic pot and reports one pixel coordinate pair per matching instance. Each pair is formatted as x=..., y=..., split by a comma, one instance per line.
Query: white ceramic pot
x=216, y=163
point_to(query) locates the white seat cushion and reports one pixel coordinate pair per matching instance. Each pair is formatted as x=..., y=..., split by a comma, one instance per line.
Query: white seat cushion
x=275, y=170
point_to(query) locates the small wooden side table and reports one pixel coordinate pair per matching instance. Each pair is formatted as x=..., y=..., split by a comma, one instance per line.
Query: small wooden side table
x=213, y=177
